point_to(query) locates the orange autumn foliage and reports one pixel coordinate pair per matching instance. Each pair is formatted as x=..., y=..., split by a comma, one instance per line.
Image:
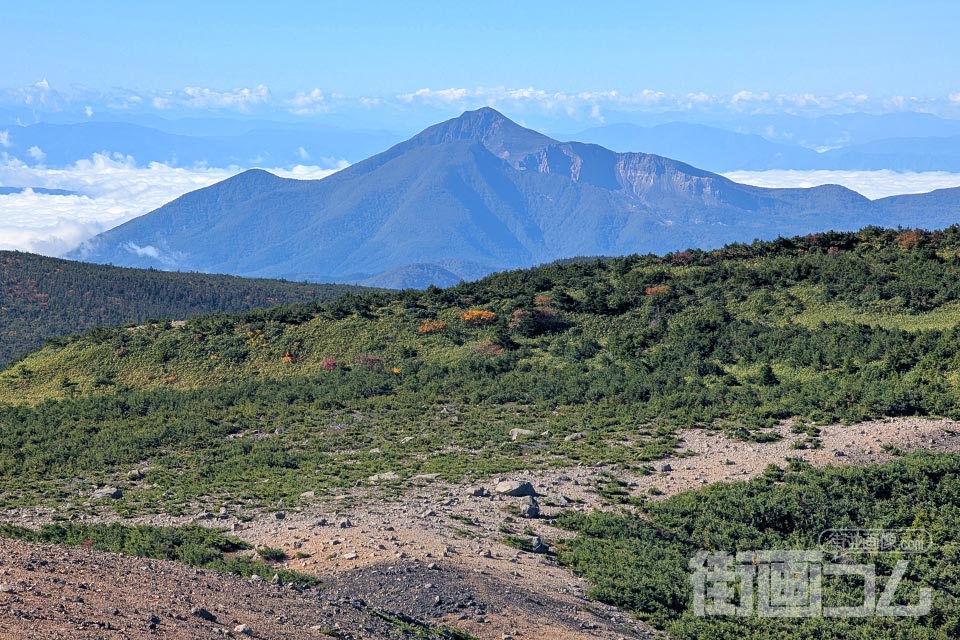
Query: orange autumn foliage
x=478, y=316
x=432, y=326
x=909, y=239
x=657, y=290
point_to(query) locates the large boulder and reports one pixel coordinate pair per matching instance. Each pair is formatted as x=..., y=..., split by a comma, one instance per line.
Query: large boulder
x=538, y=546
x=531, y=509
x=515, y=489
x=516, y=434
x=107, y=492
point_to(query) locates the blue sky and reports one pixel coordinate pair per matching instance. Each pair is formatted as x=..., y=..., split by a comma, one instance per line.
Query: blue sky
x=877, y=48
x=210, y=67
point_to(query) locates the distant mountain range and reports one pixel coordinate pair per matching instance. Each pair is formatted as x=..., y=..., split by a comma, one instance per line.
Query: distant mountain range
x=474, y=195
x=703, y=146
x=265, y=144
x=722, y=150
x=828, y=131
x=857, y=141
x=6, y=191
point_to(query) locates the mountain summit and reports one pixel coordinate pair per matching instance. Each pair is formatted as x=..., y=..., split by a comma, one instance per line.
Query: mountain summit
x=500, y=135
x=477, y=194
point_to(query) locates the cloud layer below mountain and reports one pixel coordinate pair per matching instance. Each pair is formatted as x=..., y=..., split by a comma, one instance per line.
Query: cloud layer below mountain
x=872, y=184
x=109, y=190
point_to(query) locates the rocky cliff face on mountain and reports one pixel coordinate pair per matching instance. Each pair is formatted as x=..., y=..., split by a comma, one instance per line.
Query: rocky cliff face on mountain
x=474, y=195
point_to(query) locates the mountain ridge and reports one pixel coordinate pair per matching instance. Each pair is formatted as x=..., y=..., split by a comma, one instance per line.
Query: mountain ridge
x=45, y=298
x=473, y=195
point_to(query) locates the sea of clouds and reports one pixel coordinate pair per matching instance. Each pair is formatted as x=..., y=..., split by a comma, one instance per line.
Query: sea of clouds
x=109, y=191
x=872, y=184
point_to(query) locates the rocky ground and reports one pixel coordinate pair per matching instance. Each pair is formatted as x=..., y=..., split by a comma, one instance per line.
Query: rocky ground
x=433, y=551
x=54, y=593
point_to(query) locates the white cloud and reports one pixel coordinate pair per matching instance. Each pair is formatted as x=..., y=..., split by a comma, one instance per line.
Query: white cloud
x=203, y=98
x=88, y=111
x=302, y=153
x=309, y=103
x=498, y=94
x=872, y=184
x=801, y=100
x=39, y=93
x=122, y=101
x=429, y=95
x=5, y=139
x=36, y=153
x=856, y=98
x=583, y=104
x=700, y=98
x=645, y=96
x=576, y=105
x=308, y=172
x=895, y=103
x=42, y=98
x=148, y=251
x=58, y=236
x=111, y=190
x=806, y=103
x=206, y=98
x=748, y=96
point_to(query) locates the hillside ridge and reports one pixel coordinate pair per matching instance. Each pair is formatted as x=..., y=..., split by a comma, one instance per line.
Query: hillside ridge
x=475, y=195
x=44, y=298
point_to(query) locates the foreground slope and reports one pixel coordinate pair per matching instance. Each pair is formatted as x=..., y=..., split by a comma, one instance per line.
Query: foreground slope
x=832, y=327
x=43, y=297
x=470, y=196
x=344, y=434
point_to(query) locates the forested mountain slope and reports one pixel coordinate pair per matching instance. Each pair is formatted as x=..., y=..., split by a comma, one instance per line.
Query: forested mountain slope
x=43, y=297
x=475, y=195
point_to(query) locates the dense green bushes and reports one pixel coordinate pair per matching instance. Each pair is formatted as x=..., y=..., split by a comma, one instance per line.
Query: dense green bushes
x=258, y=407
x=640, y=562
x=44, y=297
x=191, y=544
x=832, y=327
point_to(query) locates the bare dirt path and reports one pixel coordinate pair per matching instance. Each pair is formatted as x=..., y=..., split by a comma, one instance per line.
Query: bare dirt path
x=56, y=593
x=357, y=542
x=436, y=551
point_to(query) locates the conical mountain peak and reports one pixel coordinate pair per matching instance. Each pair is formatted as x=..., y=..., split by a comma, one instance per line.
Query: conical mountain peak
x=487, y=126
x=476, y=194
